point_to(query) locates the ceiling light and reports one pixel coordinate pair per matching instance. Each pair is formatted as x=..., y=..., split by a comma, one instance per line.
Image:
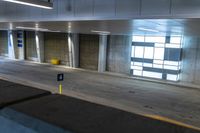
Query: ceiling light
x=31, y=28
x=101, y=32
x=145, y=29
x=35, y=3
x=54, y=31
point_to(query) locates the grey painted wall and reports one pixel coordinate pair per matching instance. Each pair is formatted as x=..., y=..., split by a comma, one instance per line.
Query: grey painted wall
x=56, y=46
x=119, y=54
x=101, y=10
x=31, y=53
x=191, y=60
x=89, y=51
x=3, y=43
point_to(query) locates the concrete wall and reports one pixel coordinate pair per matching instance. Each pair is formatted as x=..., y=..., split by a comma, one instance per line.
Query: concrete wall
x=191, y=60
x=31, y=53
x=3, y=43
x=119, y=54
x=56, y=46
x=89, y=51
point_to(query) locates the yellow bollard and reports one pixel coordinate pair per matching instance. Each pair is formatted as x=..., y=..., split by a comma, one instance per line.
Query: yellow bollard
x=60, y=89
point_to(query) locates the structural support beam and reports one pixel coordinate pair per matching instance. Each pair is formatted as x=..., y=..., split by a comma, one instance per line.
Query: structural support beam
x=73, y=45
x=102, y=53
x=39, y=39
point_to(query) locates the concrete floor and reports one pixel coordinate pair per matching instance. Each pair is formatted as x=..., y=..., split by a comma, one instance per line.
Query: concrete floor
x=62, y=114
x=166, y=102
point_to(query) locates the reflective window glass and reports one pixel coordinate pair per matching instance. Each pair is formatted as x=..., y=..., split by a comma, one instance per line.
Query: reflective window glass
x=159, y=53
x=139, y=51
x=148, y=52
x=155, y=39
x=157, y=57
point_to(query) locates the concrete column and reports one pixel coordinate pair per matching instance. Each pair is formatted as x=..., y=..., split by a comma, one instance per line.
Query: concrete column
x=11, y=48
x=39, y=39
x=20, y=45
x=102, y=53
x=73, y=45
x=16, y=45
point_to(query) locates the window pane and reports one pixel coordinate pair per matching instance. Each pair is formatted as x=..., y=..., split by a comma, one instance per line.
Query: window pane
x=132, y=67
x=138, y=73
x=175, y=40
x=155, y=39
x=158, y=61
x=147, y=64
x=172, y=45
x=159, y=53
x=171, y=67
x=139, y=51
x=133, y=51
x=174, y=63
x=137, y=63
x=137, y=67
x=172, y=77
x=148, y=52
x=138, y=38
x=157, y=66
x=162, y=45
x=152, y=74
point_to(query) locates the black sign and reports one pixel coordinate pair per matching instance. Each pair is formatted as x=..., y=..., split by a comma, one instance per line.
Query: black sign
x=60, y=77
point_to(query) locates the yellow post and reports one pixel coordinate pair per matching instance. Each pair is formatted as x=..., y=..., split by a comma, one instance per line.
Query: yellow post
x=60, y=89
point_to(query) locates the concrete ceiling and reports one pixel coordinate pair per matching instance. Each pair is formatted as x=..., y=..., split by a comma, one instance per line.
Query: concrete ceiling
x=117, y=27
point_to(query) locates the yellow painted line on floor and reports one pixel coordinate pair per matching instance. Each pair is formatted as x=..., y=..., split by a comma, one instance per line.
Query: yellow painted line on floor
x=168, y=120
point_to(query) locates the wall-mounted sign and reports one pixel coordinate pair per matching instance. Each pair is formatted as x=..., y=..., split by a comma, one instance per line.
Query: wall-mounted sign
x=20, y=39
x=60, y=77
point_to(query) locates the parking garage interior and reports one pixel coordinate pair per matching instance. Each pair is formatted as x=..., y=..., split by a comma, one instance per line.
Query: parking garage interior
x=126, y=65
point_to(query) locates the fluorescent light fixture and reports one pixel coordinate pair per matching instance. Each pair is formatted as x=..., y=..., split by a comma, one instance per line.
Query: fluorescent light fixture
x=101, y=32
x=145, y=29
x=31, y=28
x=35, y=3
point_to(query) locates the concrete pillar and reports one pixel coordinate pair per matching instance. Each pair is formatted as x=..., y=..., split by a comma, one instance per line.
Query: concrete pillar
x=11, y=45
x=39, y=39
x=73, y=45
x=20, y=45
x=16, y=45
x=102, y=53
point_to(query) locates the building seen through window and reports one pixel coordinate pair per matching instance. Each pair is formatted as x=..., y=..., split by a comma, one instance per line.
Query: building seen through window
x=156, y=57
